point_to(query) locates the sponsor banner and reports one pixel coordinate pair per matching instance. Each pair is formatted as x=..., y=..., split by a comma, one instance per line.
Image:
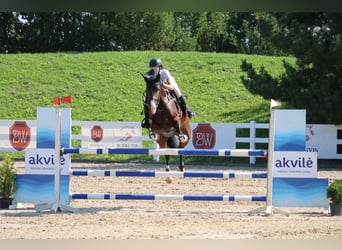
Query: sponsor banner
x=204, y=136
x=40, y=189
x=20, y=135
x=289, y=130
x=37, y=185
x=122, y=135
x=300, y=192
x=212, y=136
x=46, y=127
x=294, y=164
x=42, y=161
x=17, y=135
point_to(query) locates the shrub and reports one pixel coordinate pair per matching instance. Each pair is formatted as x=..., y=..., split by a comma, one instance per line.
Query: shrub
x=7, y=175
x=334, y=191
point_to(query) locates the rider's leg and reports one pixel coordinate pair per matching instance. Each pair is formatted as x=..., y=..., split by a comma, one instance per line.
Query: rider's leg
x=184, y=108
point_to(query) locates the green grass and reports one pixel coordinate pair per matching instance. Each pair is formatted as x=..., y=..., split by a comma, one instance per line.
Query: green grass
x=107, y=86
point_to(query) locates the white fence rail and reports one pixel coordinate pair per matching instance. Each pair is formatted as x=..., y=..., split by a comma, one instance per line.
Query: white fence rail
x=326, y=140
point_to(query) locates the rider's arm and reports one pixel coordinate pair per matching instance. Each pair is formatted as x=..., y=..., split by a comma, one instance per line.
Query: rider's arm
x=169, y=84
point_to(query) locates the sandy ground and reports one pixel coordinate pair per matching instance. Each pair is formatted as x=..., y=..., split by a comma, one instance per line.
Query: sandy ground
x=129, y=219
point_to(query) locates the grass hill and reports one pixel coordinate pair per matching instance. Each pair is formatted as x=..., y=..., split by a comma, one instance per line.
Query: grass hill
x=107, y=86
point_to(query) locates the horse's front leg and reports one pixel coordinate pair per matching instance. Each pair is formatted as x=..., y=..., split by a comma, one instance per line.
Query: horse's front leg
x=152, y=135
x=182, y=137
x=167, y=161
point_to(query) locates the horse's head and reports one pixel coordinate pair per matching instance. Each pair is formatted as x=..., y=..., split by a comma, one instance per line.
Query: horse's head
x=150, y=79
x=152, y=93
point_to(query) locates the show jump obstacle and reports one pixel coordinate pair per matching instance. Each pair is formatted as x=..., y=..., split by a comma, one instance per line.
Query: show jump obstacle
x=59, y=198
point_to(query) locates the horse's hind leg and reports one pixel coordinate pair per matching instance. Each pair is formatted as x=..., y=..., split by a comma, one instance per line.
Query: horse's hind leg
x=163, y=144
x=181, y=163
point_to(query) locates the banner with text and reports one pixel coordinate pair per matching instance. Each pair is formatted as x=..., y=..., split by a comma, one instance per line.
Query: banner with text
x=297, y=164
x=42, y=161
x=37, y=185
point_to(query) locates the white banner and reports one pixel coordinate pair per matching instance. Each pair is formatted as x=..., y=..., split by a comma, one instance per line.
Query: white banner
x=295, y=164
x=323, y=139
x=104, y=134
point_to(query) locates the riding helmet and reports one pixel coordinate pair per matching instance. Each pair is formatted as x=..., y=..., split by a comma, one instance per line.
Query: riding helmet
x=156, y=62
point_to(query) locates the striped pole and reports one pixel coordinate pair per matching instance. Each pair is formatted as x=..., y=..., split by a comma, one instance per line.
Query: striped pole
x=168, y=151
x=189, y=174
x=107, y=196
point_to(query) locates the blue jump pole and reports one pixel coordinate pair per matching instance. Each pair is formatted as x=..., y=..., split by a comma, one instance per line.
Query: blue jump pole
x=188, y=174
x=107, y=196
x=168, y=151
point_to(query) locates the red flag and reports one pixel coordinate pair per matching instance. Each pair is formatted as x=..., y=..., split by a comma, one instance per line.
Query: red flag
x=56, y=101
x=66, y=99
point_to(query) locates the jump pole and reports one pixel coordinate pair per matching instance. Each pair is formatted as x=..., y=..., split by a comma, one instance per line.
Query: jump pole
x=186, y=174
x=168, y=151
x=108, y=196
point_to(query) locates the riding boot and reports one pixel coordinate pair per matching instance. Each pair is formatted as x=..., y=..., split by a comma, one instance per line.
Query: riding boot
x=185, y=110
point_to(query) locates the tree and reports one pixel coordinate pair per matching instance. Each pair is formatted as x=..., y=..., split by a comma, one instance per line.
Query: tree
x=9, y=37
x=211, y=31
x=315, y=83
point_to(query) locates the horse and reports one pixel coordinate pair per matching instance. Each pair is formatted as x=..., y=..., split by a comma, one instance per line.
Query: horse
x=169, y=126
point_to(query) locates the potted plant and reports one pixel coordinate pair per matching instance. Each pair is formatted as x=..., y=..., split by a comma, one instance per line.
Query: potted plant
x=334, y=194
x=7, y=184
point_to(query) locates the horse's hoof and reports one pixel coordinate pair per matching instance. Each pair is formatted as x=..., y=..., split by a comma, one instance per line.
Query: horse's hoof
x=167, y=169
x=154, y=137
x=181, y=168
x=183, y=138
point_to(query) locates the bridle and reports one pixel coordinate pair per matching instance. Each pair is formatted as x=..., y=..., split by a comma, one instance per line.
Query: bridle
x=153, y=89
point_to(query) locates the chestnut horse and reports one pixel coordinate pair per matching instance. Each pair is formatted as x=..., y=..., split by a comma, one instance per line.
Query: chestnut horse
x=169, y=126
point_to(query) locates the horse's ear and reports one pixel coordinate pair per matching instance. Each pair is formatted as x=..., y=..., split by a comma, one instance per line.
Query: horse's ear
x=146, y=78
x=150, y=79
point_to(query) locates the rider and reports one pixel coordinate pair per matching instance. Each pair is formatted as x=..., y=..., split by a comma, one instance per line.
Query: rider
x=163, y=75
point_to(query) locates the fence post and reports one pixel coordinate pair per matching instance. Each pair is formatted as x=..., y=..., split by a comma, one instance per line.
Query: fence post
x=252, y=140
x=155, y=157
